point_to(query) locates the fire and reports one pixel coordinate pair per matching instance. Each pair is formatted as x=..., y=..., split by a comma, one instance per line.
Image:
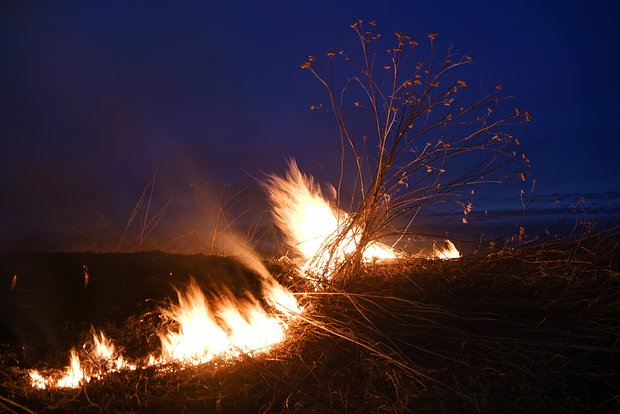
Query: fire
x=102, y=358
x=310, y=224
x=448, y=251
x=281, y=298
x=226, y=327
x=37, y=380
x=72, y=377
x=106, y=355
x=199, y=337
x=250, y=327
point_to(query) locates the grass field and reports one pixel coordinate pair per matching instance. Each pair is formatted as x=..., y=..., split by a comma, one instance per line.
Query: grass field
x=534, y=329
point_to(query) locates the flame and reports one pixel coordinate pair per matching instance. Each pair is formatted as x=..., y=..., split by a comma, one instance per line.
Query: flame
x=199, y=337
x=37, y=380
x=106, y=354
x=449, y=251
x=250, y=327
x=281, y=298
x=226, y=327
x=102, y=358
x=310, y=223
x=74, y=375
x=104, y=348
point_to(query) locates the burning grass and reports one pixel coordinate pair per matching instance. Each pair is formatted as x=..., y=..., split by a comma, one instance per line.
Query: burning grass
x=531, y=329
x=320, y=232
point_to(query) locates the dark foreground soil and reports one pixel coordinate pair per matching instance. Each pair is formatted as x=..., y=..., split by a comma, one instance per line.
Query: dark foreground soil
x=530, y=330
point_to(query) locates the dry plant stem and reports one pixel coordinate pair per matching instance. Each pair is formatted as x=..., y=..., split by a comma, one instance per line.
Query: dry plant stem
x=425, y=121
x=13, y=407
x=141, y=222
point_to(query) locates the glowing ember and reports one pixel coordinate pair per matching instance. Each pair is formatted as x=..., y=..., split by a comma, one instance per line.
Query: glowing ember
x=226, y=327
x=448, y=251
x=310, y=224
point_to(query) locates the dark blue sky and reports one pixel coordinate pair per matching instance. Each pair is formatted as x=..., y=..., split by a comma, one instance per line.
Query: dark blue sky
x=94, y=95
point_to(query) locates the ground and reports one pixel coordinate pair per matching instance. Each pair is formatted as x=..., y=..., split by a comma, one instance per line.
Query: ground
x=532, y=329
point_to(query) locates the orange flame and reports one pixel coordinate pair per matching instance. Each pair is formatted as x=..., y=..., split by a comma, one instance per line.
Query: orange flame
x=72, y=377
x=310, y=223
x=281, y=298
x=103, y=359
x=225, y=328
x=199, y=337
x=107, y=356
x=448, y=251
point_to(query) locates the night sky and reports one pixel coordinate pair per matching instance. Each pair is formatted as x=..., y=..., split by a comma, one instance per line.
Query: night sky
x=94, y=96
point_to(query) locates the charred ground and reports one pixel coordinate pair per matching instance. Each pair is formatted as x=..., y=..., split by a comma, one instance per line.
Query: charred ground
x=532, y=329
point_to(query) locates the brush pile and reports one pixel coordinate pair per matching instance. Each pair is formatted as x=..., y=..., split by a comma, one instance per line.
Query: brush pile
x=528, y=329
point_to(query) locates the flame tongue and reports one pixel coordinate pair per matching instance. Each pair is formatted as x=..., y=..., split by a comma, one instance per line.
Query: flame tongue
x=281, y=298
x=310, y=224
x=226, y=327
x=74, y=375
x=301, y=212
x=103, y=358
x=199, y=338
x=448, y=251
x=250, y=327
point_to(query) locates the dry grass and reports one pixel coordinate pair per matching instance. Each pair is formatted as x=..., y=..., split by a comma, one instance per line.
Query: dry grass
x=532, y=329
